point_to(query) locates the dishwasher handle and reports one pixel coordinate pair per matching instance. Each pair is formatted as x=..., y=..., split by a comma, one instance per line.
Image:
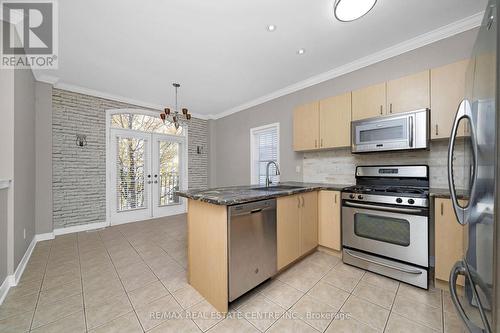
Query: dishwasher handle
x=252, y=208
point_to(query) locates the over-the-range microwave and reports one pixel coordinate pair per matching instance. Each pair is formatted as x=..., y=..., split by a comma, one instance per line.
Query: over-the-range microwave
x=400, y=131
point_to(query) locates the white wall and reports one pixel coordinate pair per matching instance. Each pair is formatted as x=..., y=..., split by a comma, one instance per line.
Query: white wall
x=230, y=164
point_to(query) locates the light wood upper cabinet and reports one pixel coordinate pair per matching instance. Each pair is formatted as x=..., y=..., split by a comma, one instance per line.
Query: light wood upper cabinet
x=288, y=219
x=447, y=91
x=306, y=127
x=308, y=222
x=335, y=121
x=368, y=102
x=409, y=93
x=329, y=219
x=449, y=239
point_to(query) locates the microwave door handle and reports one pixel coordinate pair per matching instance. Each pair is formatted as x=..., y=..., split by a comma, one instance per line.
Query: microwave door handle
x=412, y=130
x=464, y=112
x=459, y=269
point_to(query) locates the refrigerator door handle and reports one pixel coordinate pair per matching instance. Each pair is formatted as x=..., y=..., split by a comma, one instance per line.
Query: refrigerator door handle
x=459, y=269
x=464, y=112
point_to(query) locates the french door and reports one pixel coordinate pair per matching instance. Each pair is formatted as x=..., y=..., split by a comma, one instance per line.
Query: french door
x=146, y=171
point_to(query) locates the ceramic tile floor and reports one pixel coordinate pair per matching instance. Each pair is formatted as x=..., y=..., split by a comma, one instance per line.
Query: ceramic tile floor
x=132, y=278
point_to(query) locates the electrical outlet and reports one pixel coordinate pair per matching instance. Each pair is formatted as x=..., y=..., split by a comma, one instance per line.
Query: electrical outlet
x=24, y=233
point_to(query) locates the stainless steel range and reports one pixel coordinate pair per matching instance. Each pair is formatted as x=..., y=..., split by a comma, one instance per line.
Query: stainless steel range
x=385, y=222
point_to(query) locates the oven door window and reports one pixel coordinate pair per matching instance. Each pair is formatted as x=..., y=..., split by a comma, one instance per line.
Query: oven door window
x=383, y=229
x=393, y=130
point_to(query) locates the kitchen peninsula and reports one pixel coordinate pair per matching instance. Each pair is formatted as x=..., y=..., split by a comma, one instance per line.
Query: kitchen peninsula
x=208, y=229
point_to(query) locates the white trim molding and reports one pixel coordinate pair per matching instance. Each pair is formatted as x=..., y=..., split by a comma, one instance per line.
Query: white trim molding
x=4, y=183
x=430, y=37
x=452, y=29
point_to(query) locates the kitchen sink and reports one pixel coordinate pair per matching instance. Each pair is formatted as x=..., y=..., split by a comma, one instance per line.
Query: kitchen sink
x=277, y=188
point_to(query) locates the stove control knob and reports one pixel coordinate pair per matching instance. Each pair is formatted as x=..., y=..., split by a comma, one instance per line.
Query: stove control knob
x=411, y=201
x=360, y=197
x=399, y=200
x=351, y=196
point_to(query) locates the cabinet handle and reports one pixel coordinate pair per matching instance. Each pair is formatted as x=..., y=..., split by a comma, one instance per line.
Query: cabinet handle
x=303, y=201
x=381, y=112
x=442, y=209
x=390, y=108
x=321, y=143
x=335, y=198
x=315, y=143
x=437, y=131
x=298, y=201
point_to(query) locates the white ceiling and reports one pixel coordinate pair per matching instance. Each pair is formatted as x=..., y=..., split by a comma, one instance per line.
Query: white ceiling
x=220, y=51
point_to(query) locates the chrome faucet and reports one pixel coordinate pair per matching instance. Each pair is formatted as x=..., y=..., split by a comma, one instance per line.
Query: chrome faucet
x=268, y=180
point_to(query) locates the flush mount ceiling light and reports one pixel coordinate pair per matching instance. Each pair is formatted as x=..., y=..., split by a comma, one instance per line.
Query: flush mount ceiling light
x=301, y=51
x=350, y=10
x=271, y=28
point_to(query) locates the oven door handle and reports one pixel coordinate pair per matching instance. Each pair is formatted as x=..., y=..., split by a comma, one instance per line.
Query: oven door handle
x=389, y=209
x=404, y=270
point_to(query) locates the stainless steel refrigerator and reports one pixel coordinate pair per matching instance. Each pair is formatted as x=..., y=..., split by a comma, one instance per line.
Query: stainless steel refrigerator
x=473, y=178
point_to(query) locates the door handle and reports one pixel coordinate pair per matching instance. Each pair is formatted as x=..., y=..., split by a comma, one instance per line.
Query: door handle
x=459, y=269
x=409, y=271
x=411, y=130
x=388, y=209
x=464, y=112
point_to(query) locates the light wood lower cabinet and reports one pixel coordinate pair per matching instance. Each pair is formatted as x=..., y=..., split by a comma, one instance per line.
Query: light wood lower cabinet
x=288, y=219
x=297, y=226
x=308, y=222
x=329, y=219
x=449, y=239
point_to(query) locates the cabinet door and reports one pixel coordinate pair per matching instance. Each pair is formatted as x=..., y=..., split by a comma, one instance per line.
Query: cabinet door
x=447, y=91
x=288, y=217
x=368, y=102
x=449, y=239
x=306, y=127
x=308, y=222
x=335, y=121
x=329, y=219
x=409, y=93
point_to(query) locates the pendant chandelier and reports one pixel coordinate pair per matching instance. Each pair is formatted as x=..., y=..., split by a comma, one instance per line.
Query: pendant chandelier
x=175, y=116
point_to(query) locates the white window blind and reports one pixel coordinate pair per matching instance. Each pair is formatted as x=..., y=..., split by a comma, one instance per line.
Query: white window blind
x=265, y=148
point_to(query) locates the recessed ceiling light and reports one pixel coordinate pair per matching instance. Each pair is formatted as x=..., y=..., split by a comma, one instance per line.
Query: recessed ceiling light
x=301, y=51
x=271, y=27
x=350, y=10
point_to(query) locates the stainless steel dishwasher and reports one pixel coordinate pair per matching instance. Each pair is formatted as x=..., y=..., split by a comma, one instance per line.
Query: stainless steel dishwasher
x=252, y=245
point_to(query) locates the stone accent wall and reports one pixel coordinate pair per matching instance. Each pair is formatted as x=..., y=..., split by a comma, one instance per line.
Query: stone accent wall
x=338, y=166
x=79, y=174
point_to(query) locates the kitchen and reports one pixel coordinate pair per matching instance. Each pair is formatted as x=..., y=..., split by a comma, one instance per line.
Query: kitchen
x=353, y=191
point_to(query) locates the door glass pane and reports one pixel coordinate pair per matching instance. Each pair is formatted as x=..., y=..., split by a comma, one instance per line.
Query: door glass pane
x=130, y=174
x=169, y=173
x=384, y=229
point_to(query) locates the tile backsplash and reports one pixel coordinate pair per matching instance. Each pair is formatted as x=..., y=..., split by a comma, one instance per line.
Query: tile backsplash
x=337, y=166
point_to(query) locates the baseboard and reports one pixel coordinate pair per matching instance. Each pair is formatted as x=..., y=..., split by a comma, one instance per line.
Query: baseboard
x=44, y=237
x=4, y=288
x=80, y=228
x=24, y=261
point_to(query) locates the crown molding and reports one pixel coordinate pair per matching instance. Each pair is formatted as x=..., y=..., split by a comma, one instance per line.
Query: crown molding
x=430, y=37
x=56, y=83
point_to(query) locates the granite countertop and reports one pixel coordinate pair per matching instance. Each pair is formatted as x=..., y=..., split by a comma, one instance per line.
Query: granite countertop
x=445, y=193
x=242, y=194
